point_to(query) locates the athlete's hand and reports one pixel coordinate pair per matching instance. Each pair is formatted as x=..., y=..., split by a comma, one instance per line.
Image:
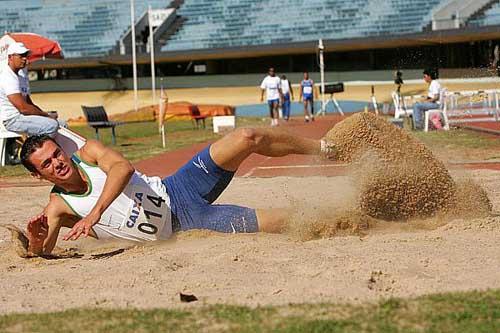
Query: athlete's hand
x=82, y=227
x=38, y=229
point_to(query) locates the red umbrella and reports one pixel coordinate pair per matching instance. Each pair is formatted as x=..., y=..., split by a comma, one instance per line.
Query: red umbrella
x=40, y=46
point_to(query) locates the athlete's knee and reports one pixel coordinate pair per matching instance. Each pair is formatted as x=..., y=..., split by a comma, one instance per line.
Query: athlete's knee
x=250, y=138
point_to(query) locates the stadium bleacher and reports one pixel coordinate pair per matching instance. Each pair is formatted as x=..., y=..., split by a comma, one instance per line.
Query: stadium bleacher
x=216, y=24
x=83, y=28
x=93, y=27
x=490, y=17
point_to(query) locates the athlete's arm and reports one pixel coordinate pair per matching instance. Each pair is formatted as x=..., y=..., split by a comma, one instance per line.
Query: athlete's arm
x=262, y=90
x=25, y=107
x=44, y=228
x=118, y=171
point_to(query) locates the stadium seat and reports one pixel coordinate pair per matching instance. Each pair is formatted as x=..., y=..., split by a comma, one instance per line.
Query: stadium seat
x=83, y=28
x=400, y=108
x=241, y=23
x=98, y=118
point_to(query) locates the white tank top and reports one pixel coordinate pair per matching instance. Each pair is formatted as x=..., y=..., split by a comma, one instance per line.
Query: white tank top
x=140, y=213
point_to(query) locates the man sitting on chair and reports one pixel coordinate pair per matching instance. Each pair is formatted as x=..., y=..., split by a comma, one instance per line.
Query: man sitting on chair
x=17, y=111
x=431, y=102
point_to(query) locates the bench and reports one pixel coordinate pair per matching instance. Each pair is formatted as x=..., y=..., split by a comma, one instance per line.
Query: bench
x=196, y=116
x=98, y=118
x=4, y=135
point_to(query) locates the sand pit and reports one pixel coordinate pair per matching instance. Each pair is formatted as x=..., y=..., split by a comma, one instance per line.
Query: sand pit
x=331, y=251
x=256, y=269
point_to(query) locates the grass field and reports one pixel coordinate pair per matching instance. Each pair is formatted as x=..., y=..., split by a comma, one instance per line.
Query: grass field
x=451, y=312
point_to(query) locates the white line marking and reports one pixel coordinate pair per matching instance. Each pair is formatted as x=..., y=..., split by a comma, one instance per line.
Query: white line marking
x=249, y=173
x=301, y=166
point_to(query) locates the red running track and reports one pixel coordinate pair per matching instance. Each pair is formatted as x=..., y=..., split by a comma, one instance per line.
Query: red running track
x=260, y=166
x=257, y=165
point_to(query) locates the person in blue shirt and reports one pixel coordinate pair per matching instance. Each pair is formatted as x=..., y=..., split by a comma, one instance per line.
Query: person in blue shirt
x=307, y=95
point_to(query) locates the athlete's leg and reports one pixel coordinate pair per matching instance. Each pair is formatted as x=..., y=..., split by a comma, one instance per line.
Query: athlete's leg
x=232, y=219
x=276, y=106
x=311, y=101
x=230, y=151
x=275, y=113
x=272, y=220
x=306, y=109
x=271, y=109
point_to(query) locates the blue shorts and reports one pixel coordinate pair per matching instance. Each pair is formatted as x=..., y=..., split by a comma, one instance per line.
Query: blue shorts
x=271, y=102
x=307, y=97
x=193, y=189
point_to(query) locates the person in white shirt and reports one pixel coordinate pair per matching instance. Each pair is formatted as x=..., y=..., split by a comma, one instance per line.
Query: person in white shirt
x=287, y=91
x=272, y=86
x=17, y=111
x=431, y=102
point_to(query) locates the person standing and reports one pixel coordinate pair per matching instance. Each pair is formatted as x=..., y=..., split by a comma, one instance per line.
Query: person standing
x=17, y=111
x=307, y=96
x=272, y=86
x=286, y=89
x=431, y=102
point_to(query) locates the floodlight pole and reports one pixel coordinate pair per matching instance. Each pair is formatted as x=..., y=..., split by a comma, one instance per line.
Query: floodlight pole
x=322, y=73
x=152, y=53
x=134, y=58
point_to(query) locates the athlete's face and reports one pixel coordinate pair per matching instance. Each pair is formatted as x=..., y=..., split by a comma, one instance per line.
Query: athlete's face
x=306, y=76
x=271, y=72
x=427, y=78
x=52, y=163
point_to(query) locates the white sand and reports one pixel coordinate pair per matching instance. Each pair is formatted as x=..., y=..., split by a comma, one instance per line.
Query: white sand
x=257, y=269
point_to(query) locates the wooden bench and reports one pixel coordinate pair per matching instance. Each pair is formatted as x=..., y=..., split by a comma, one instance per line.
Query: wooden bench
x=98, y=118
x=196, y=116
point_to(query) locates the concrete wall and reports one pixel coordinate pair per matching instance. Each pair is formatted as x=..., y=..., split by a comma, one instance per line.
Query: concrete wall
x=242, y=80
x=203, y=81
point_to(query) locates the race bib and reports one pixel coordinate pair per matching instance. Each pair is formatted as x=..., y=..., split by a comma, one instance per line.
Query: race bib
x=148, y=217
x=308, y=90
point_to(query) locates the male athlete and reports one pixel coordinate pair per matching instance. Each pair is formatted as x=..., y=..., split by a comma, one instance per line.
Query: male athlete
x=307, y=96
x=272, y=86
x=97, y=192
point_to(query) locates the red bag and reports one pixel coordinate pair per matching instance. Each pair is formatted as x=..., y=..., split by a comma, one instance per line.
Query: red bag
x=436, y=121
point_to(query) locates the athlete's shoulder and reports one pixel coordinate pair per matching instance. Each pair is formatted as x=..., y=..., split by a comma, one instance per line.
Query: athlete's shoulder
x=90, y=150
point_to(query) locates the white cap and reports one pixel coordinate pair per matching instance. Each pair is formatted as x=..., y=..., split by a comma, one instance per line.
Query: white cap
x=17, y=48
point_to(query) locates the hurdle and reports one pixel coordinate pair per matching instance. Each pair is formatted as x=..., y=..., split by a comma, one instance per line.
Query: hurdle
x=479, y=106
